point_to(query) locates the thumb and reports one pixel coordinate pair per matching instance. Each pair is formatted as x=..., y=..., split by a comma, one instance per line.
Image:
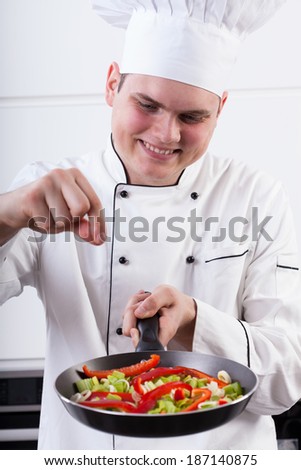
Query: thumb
x=85, y=229
x=146, y=308
x=97, y=224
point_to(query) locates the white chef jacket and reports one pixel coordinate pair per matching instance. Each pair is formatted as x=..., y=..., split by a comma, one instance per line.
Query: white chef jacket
x=210, y=236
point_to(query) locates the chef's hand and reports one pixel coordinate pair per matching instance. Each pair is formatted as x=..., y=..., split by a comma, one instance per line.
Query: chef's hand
x=62, y=200
x=177, y=311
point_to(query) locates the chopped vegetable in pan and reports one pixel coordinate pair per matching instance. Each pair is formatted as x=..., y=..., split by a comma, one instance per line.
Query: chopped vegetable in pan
x=127, y=371
x=145, y=388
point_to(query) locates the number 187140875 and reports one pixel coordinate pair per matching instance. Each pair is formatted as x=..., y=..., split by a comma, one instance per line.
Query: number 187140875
x=222, y=459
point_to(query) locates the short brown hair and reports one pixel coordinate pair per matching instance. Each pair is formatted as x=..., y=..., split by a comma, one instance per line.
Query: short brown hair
x=121, y=81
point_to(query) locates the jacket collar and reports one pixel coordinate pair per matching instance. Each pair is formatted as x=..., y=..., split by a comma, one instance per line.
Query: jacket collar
x=117, y=171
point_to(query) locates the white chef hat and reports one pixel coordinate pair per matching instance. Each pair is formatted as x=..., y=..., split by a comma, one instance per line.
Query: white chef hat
x=191, y=41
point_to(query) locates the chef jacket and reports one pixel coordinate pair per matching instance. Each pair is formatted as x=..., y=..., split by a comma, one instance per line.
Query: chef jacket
x=222, y=234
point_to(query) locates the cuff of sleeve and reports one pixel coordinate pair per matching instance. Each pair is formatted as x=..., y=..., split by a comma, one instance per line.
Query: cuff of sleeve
x=5, y=249
x=220, y=334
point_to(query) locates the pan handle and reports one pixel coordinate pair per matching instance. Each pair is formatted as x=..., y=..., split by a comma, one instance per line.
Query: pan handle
x=148, y=329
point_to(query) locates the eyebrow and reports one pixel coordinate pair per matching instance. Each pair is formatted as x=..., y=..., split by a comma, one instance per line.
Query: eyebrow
x=194, y=112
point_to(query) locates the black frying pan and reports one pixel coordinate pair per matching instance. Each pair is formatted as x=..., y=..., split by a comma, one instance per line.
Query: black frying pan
x=166, y=425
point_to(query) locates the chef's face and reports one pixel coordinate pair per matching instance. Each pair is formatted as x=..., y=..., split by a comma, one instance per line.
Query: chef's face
x=159, y=126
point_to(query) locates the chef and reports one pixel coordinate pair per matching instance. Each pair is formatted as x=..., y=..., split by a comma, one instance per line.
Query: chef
x=156, y=222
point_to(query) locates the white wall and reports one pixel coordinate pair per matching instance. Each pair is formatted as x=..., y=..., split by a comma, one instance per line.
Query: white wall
x=54, y=56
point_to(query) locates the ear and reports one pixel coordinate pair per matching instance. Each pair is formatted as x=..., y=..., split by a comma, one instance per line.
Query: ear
x=113, y=78
x=222, y=102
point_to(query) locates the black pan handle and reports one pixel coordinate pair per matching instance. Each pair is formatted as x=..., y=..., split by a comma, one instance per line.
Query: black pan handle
x=148, y=329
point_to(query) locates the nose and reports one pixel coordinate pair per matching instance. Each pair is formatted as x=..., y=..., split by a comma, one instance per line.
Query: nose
x=167, y=129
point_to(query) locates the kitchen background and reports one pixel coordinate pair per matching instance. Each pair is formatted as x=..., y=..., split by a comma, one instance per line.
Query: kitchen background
x=54, y=56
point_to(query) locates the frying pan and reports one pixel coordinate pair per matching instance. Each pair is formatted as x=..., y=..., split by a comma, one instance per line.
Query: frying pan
x=164, y=425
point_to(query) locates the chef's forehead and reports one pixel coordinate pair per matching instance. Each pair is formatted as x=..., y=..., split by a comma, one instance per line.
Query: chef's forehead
x=141, y=82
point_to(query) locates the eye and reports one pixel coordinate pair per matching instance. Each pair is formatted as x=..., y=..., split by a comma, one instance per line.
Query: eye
x=149, y=107
x=192, y=118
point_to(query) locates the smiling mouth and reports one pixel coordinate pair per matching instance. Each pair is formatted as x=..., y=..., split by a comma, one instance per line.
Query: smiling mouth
x=157, y=150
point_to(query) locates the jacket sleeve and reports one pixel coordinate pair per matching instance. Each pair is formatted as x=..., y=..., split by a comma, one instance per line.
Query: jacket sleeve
x=19, y=256
x=266, y=336
x=18, y=265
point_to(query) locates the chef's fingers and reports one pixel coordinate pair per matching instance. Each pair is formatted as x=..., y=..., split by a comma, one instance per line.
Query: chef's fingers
x=72, y=204
x=162, y=299
x=135, y=336
x=48, y=211
x=162, y=296
x=135, y=300
x=129, y=319
x=168, y=326
x=96, y=215
x=61, y=200
x=176, y=310
x=40, y=219
x=59, y=213
x=35, y=202
x=85, y=208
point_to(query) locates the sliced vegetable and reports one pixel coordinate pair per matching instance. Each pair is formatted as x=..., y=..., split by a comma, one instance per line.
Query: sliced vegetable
x=86, y=384
x=196, y=391
x=112, y=404
x=121, y=395
x=147, y=388
x=152, y=374
x=224, y=376
x=233, y=389
x=204, y=395
x=128, y=371
x=202, y=375
x=149, y=399
x=222, y=401
x=179, y=394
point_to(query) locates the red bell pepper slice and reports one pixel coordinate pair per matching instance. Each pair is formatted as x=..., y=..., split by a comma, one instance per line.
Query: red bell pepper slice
x=123, y=395
x=111, y=404
x=221, y=401
x=204, y=395
x=179, y=394
x=149, y=399
x=128, y=371
x=153, y=374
